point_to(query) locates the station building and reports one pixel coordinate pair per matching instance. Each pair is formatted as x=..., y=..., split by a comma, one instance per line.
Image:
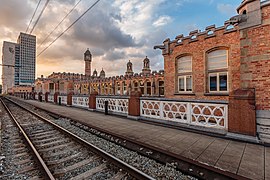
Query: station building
x=226, y=63
x=215, y=80
x=149, y=83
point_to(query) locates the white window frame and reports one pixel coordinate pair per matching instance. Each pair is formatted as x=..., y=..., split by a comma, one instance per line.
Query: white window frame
x=218, y=72
x=185, y=84
x=124, y=88
x=218, y=82
x=184, y=74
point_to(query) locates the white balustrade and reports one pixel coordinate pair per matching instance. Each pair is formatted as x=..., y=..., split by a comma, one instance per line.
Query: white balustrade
x=78, y=101
x=43, y=97
x=63, y=99
x=114, y=104
x=36, y=96
x=200, y=114
x=50, y=98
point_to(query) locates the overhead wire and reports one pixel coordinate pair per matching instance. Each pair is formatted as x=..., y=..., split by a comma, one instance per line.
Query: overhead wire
x=33, y=16
x=60, y=23
x=68, y=28
x=44, y=7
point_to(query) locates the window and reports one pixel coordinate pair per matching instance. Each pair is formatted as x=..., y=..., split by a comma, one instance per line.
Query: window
x=185, y=83
x=136, y=86
x=142, y=87
x=124, y=88
x=148, y=88
x=217, y=71
x=184, y=74
x=118, y=88
x=161, y=88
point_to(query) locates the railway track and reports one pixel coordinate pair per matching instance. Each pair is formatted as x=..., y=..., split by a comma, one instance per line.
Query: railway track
x=190, y=167
x=57, y=153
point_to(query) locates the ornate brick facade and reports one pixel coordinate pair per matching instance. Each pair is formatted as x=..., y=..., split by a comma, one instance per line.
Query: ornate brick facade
x=150, y=83
x=224, y=61
x=228, y=65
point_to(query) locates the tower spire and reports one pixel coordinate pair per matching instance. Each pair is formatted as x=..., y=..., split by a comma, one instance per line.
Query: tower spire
x=87, y=62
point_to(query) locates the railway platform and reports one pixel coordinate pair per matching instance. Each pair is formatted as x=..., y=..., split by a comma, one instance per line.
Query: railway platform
x=242, y=158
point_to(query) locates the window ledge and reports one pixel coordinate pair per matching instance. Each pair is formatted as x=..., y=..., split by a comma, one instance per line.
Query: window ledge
x=185, y=94
x=216, y=94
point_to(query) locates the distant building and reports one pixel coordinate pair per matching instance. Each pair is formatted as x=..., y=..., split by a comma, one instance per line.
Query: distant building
x=19, y=62
x=147, y=82
x=10, y=55
x=27, y=68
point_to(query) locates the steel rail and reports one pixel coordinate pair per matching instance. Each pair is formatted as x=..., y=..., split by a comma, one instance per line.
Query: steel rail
x=185, y=164
x=45, y=169
x=119, y=163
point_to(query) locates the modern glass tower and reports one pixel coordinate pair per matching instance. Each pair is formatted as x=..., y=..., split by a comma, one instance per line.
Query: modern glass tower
x=19, y=62
x=27, y=63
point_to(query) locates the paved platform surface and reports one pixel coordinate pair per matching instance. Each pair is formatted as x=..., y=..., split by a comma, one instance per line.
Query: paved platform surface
x=245, y=159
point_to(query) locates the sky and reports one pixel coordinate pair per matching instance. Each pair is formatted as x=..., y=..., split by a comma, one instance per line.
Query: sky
x=115, y=31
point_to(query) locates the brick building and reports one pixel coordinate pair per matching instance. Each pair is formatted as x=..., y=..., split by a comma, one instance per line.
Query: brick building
x=150, y=83
x=215, y=80
x=225, y=63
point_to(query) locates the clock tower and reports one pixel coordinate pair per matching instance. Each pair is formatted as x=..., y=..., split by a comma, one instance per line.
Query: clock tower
x=87, y=60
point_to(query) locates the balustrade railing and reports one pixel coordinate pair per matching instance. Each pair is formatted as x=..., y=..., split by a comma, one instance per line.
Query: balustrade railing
x=214, y=115
x=50, y=98
x=80, y=101
x=62, y=99
x=36, y=96
x=43, y=97
x=115, y=104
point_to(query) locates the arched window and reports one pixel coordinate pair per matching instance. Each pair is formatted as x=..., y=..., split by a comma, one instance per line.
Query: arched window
x=142, y=87
x=148, y=88
x=106, y=89
x=124, y=87
x=184, y=74
x=217, y=67
x=117, y=88
x=161, y=88
x=102, y=89
x=135, y=86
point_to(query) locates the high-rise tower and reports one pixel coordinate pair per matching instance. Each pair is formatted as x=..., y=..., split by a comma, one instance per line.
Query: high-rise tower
x=8, y=60
x=27, y=69
x=87, y=60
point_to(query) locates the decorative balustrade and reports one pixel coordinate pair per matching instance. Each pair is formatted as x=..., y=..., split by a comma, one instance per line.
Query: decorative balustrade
x=212, y=115
x=115, y=104
x=36, y=96
x=63, y=99
x=80, y=101
x=43, y=97
x=50, y=98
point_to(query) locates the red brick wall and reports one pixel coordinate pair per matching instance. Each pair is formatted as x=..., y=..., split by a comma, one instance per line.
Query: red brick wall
x=198, y=50
x=255, y=60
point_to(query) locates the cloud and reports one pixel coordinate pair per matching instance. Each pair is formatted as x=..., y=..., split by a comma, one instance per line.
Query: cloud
x=162, y=20
x=114, y=31
x=226, y=9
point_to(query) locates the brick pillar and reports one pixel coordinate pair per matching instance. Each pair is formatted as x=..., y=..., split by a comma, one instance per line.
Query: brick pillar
x=69, y=99
x=134, y=104
x=46, y=96
x=55, y=97
x=92, y=100
x=242, y=117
